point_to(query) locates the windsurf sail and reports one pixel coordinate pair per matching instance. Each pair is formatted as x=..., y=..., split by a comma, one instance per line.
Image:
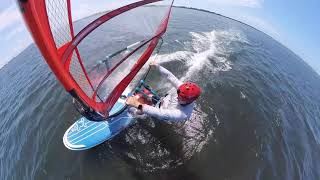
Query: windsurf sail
x=96, y=58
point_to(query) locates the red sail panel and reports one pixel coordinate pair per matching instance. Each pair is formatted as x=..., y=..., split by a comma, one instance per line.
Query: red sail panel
x=36, y=18
x=98, y=63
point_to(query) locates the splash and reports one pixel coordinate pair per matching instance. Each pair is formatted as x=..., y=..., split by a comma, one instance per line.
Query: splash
x=206, y=50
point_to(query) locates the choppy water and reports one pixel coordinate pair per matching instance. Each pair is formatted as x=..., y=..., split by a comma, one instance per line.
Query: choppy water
x=258, y=117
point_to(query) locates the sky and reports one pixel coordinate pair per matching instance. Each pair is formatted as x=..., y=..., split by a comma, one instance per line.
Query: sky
x=294, y=23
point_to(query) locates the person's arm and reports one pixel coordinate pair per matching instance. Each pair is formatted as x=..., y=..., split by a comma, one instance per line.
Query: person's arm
x=168, y=75
x=164, y=114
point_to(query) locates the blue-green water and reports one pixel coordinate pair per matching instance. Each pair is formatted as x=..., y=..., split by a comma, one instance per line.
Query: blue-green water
x=258, y=116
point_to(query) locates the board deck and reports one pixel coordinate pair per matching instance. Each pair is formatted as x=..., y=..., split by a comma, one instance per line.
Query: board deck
x=85, y=134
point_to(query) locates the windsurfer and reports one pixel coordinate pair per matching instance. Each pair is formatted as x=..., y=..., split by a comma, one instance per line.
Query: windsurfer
x=176, y=106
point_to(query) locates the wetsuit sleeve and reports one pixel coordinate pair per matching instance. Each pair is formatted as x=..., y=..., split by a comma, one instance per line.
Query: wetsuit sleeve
x=164, y=114
x=168, y=75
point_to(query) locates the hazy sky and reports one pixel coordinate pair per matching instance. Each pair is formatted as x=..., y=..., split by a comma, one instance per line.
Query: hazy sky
x=295, y=23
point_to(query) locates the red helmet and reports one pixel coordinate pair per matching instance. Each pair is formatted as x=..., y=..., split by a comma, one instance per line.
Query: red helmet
x=188, y=92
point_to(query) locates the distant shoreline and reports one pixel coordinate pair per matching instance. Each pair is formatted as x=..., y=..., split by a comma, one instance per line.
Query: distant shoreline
x=211, y=12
